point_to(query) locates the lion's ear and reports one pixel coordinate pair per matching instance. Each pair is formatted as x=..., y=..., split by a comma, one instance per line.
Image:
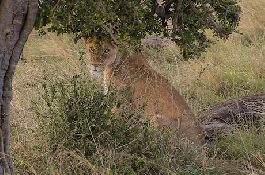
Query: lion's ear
x=113, y=44
x=88, y=40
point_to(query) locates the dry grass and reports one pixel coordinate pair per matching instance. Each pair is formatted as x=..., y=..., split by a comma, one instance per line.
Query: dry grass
x=229, y=69
x=54, y=55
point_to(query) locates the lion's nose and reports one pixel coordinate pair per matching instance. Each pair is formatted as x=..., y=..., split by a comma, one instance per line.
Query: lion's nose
x=95, y=65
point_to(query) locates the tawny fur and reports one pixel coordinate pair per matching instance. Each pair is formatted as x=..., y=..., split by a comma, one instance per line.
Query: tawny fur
x=163, y=103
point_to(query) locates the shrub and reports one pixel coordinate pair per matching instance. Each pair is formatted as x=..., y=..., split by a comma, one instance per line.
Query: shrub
x=88, y=138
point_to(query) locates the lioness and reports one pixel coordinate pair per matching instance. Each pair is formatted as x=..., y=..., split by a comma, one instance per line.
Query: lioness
x=163, y=103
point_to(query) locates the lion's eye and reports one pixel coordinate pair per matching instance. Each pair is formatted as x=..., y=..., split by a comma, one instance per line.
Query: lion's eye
x=106, y=51
x=92, y=49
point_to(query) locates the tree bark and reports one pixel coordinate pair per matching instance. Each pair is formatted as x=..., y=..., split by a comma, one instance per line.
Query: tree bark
x=17, y=19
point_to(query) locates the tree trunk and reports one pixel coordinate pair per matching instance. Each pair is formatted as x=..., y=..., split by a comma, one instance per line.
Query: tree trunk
x=17, y=19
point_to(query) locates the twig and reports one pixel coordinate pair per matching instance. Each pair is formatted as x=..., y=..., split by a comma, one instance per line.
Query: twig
x=175, y=19
x=114, y=38
x=215, y=26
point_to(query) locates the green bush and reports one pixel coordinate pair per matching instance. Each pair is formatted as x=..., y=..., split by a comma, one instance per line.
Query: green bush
x=88, y=138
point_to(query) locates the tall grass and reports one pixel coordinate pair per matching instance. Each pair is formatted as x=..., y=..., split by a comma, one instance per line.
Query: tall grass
x=228, y=69
x=44, y=143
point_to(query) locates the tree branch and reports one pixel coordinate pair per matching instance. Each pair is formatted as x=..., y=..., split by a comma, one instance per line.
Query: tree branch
x=175, y=19
x=113, y=37
x=212, y=23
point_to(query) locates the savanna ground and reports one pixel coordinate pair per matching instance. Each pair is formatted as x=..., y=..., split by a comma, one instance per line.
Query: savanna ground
x=52, y=72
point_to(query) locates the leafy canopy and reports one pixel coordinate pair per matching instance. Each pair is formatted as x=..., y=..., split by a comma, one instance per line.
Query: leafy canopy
x=126, y=22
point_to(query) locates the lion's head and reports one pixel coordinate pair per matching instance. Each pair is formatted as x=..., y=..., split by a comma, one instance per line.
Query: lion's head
x=101, y=55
